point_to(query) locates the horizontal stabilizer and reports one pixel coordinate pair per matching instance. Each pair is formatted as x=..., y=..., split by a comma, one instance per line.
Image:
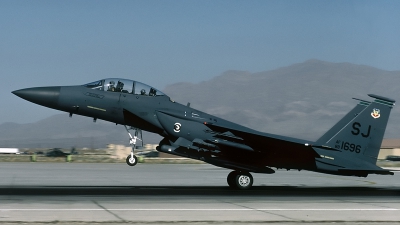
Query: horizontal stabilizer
x=364, y=173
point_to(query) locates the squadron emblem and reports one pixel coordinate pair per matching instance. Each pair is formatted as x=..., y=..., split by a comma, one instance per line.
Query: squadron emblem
x=177, y=127
x=376, y=113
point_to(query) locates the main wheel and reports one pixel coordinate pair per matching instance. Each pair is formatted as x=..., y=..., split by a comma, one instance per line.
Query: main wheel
x=131, y=161
x=231, y=179
x=243, y=180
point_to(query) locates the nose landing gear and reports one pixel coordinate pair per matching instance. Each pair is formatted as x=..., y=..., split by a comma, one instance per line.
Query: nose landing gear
x=131, y=159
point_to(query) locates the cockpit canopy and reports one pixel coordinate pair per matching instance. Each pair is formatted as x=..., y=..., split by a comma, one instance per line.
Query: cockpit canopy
x=124, y=86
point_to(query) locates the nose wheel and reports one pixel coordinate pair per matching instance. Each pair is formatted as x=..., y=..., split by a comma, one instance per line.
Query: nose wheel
x=131, y=159
x=240, y=180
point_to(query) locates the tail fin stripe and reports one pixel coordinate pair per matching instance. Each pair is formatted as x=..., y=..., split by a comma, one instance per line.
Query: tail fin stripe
x=384, y=102
x=362, y=102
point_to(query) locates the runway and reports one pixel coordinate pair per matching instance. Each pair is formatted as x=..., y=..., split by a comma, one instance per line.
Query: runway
x=197, y=194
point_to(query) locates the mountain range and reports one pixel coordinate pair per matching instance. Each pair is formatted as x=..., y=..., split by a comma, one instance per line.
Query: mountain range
x=302, y=100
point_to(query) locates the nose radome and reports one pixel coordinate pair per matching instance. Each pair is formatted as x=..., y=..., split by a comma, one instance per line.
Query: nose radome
x=45, y=96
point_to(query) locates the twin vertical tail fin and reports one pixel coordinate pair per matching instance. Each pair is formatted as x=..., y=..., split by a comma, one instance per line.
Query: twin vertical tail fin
x=359, y=134
x=362, y=104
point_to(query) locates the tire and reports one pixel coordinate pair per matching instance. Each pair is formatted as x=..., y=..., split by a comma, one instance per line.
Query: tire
x=131, y=162
x=231, y=179
x=243, y=180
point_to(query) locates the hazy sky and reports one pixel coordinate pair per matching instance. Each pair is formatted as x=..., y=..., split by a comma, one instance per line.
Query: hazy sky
x=45, y=43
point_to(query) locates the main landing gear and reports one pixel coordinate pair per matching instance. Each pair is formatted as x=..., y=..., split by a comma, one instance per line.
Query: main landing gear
x=131, y=159
x=240, y=180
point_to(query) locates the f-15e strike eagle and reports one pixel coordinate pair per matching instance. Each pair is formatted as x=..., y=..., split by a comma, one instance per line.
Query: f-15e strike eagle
x=349, y=148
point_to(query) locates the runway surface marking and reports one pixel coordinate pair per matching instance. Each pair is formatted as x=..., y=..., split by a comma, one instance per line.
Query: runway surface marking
x=244, y=209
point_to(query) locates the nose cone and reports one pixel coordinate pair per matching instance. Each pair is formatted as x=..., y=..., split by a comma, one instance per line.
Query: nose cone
x=45, y=96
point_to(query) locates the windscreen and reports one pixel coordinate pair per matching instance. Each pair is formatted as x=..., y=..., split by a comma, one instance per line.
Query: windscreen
x=95, y=85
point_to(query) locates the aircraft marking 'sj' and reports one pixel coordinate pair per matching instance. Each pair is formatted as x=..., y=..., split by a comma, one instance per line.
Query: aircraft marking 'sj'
x=349, y=148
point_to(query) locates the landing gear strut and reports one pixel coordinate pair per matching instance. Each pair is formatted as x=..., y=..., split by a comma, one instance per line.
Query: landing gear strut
x=131, y=159
x=240, y=180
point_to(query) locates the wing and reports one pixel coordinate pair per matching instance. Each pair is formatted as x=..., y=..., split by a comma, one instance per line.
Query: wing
x=274, y=150
x=257, y=140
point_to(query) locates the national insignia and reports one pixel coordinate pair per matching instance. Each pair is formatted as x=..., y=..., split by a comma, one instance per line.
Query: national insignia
x=177, y=127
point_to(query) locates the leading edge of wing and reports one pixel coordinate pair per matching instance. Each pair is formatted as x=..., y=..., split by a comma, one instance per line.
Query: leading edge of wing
x=256, y=135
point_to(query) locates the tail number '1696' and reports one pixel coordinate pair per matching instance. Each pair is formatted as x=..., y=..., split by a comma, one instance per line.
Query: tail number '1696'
x=350, y=147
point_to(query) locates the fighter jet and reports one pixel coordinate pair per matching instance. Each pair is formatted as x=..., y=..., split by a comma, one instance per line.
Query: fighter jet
x=349, y=148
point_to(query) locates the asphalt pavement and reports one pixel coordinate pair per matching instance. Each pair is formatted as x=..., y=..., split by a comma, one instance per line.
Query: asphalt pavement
x=69, y=193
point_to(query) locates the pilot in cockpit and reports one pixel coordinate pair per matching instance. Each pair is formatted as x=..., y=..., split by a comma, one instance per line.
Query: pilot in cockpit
x=119, y=87
x=152, y=92
x=111, y=86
